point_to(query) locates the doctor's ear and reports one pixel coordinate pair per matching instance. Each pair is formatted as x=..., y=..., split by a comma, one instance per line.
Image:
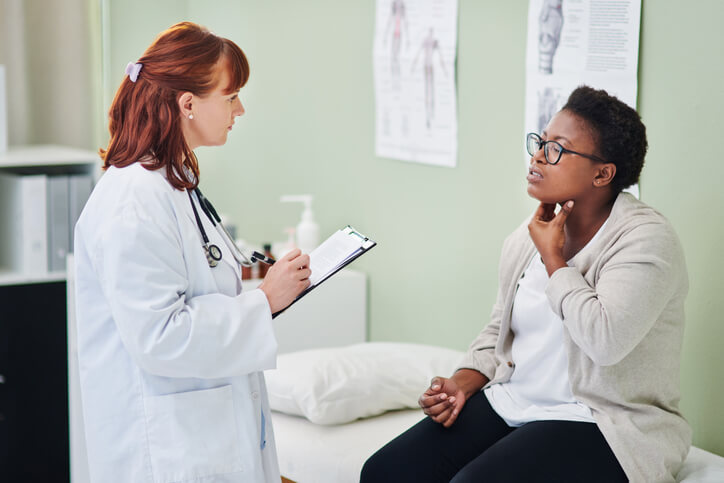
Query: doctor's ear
x=185, y=104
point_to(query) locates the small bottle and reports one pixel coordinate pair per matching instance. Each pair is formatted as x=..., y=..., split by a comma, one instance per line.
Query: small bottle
x=263, y=267
x=307, y=229
x=282, y=248
x=246, y=272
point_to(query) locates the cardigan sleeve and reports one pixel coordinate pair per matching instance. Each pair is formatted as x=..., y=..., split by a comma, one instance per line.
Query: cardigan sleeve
x=608, y=312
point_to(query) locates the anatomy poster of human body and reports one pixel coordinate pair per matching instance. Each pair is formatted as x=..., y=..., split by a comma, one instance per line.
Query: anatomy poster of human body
x=574, y=42
x=414, y=67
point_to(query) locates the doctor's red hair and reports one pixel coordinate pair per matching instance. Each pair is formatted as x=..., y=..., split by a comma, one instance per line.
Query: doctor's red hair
x=144, y=119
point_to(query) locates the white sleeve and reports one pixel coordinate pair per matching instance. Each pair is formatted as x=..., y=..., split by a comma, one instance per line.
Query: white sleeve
x=143, y=275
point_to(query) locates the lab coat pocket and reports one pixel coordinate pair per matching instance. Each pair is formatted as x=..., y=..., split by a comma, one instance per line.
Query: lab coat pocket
x=192, y=435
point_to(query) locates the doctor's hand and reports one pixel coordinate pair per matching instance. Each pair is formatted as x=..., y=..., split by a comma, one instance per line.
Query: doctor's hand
x=547, y=232
x=286, y=279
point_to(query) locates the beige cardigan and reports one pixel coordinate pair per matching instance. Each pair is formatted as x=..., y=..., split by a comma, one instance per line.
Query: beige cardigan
x=622, y=306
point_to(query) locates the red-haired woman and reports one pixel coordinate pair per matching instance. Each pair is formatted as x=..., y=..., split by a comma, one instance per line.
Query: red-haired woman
x=171, y=352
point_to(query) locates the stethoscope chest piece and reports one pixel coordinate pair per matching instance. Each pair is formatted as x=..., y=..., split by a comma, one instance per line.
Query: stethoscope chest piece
x=213, y=254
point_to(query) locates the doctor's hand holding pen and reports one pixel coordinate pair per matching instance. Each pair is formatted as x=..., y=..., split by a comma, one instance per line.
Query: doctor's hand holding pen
x=286, y=279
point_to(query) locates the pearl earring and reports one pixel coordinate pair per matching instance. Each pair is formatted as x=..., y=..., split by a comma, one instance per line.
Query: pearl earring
x=191, y=116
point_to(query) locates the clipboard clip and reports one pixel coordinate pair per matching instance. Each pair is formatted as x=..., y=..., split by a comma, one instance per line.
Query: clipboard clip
x=366, y=243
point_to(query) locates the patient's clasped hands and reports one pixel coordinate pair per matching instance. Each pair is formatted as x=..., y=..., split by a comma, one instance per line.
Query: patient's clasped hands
x=442, y=401
x=445, y=397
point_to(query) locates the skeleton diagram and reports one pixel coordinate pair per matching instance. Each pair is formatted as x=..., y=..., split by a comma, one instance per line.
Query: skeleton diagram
x=429, y=46
x=397, y=23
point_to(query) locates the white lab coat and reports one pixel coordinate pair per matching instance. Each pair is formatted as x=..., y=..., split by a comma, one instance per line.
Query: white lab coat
x=170, y=352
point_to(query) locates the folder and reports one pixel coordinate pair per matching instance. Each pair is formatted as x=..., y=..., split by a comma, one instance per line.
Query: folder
x=335, y=253
x=24, y=236
x=3, y=112
x=58, y=222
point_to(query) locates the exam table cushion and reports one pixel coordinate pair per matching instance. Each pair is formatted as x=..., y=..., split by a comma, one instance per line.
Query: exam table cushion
x=341, y=384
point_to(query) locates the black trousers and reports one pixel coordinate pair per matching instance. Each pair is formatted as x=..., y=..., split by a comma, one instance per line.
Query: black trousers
x=481, y=447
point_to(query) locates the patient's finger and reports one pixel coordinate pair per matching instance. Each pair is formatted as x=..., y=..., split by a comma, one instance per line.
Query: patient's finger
x=453, y=416
x=436, y=384
x=456, y=407
x=436, y=409
x=428, y=400
x=443, y=417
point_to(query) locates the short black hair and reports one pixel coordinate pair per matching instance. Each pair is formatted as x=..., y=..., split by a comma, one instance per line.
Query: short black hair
x=617, y=129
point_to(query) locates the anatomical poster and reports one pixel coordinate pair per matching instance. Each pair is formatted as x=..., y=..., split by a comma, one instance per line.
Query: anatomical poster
x=414, y=51
x=574, y=42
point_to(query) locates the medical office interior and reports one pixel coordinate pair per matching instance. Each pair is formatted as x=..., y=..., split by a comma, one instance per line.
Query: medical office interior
x=309, y=128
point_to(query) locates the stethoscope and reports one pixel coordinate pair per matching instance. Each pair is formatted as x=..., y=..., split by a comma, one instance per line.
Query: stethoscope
x=213, y=252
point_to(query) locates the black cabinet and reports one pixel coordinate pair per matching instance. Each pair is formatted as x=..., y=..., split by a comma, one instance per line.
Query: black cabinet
x=34, y=388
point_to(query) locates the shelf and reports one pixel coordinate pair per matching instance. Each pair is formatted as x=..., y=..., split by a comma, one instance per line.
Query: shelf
x=8, y=277
x=46, y=155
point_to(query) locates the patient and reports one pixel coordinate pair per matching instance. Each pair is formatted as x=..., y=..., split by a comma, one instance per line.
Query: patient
x=576, y=375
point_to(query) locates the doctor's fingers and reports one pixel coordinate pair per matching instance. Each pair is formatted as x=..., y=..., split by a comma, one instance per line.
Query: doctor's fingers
x=303, y=285
x=300, y=262
x=291, y=255
x=304, y=273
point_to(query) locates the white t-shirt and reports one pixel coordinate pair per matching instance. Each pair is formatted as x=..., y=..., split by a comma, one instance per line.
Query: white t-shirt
x=539, y=388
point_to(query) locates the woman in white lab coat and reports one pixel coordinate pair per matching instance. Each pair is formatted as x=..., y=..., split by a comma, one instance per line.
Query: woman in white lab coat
x=171, y=352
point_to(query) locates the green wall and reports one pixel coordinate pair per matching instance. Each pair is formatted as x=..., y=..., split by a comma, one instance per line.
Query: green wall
x=309, y=128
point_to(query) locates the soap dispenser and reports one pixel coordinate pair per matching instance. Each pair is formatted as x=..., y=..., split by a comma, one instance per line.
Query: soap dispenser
x=307, y=229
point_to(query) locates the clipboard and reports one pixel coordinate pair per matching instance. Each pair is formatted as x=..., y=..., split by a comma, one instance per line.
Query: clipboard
x=339, y=250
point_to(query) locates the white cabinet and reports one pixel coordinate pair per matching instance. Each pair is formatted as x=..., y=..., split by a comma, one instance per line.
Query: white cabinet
x=333, y=314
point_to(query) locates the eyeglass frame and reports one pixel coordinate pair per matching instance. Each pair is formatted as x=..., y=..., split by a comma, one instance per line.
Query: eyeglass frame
x=542, y=145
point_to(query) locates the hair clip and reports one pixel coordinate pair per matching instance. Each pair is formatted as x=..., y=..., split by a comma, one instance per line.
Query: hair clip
x=133, y=70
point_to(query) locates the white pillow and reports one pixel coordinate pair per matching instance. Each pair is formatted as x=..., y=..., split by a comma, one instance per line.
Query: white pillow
x=341, y=384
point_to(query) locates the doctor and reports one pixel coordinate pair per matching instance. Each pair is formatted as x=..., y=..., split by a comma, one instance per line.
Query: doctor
x=171, y=351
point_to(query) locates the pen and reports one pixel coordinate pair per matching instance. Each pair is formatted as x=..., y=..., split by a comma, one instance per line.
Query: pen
x=262, y=258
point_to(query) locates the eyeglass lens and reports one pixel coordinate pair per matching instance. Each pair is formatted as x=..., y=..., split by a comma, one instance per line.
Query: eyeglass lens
x=552, y=150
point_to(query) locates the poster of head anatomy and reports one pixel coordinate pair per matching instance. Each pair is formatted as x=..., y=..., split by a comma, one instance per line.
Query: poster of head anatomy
x=575, y=42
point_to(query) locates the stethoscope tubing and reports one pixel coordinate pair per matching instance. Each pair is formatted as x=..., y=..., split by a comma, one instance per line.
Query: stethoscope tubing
x=215, y=219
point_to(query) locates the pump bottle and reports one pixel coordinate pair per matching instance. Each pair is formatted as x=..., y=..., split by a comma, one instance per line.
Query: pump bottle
x=307, y=230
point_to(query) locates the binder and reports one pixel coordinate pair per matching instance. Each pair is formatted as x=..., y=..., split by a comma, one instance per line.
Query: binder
x=3, y=112
x=335, y=253
x=24, y=238
x=58, y=222
x=79, y=187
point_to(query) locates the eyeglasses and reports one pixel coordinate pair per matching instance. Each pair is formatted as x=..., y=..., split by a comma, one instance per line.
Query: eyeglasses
x=551, y=149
